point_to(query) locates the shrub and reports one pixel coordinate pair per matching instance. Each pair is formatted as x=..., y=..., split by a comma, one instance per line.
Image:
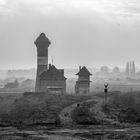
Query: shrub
x=39, y=108
x=82, y=115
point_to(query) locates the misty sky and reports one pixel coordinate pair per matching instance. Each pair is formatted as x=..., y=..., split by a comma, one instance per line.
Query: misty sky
x=82, y=32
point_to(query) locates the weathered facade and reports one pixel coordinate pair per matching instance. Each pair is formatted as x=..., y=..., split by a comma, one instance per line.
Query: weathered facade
x=42, y=43
x=47, y=79
x=83, y=83
x=53, y=80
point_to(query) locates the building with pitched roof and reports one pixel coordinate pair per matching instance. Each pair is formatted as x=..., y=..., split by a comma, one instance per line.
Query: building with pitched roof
x=47, y=79
x=83, y=83
x=53, y=80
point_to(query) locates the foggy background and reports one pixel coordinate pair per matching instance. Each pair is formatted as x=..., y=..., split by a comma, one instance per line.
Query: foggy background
x=82, y=32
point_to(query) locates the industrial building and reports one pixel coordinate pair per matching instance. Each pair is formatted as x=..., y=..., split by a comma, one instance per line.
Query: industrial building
x=49, y=78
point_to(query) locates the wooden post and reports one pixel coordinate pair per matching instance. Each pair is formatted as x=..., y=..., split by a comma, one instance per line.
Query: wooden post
x=105, y=91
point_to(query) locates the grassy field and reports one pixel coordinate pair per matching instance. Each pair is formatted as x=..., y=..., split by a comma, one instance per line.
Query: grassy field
x=34, y=108
x=43, y=108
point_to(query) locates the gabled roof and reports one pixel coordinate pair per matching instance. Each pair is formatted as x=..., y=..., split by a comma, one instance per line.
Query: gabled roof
x=83, y=71
x=53, y=74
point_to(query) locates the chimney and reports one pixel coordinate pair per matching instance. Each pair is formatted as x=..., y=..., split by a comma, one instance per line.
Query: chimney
x=79, y=68
x=50, y=66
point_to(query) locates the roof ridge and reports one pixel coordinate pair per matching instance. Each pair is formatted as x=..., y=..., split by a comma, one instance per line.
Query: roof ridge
x=83, y=71
x=52, y=73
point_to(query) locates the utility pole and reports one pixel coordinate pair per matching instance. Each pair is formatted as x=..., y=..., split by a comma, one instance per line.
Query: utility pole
x=105, y=91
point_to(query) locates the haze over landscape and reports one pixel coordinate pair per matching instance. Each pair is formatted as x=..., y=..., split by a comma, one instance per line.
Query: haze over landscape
x=82, y=32
x=70, y=69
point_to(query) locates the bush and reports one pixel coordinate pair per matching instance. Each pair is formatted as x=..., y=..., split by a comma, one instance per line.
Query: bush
x=39, y=108
x=127, y=105
x=82, y=115
x=128, y=115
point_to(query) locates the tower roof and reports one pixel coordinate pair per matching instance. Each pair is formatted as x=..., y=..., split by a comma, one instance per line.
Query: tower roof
x=53, y=74
x=42, y=39
x=84, y=71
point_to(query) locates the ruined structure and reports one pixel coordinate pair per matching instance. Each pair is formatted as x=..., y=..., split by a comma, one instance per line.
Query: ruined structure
x=47, y=79
x=83, y=83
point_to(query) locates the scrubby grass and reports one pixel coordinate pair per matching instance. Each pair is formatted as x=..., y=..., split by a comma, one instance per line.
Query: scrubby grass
x=83, y=115
x=125, y=107
x=44, y=108
x=38, y=108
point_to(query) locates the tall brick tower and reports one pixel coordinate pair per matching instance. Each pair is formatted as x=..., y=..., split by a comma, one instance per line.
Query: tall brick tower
x=42, y=43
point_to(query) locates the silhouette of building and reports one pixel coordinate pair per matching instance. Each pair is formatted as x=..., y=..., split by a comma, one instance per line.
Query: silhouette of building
x=12, y=85
x=83, y=83
x=127, y=68
x=47, y=79
x=133, y=68
x=130, y=68
x=53, y=80
x=42, y=43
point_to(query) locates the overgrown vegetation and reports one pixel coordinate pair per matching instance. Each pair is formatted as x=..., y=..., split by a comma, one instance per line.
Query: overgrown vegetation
x=83, y=115
x=38, y=108
x=44, y=108
x=124, y=107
